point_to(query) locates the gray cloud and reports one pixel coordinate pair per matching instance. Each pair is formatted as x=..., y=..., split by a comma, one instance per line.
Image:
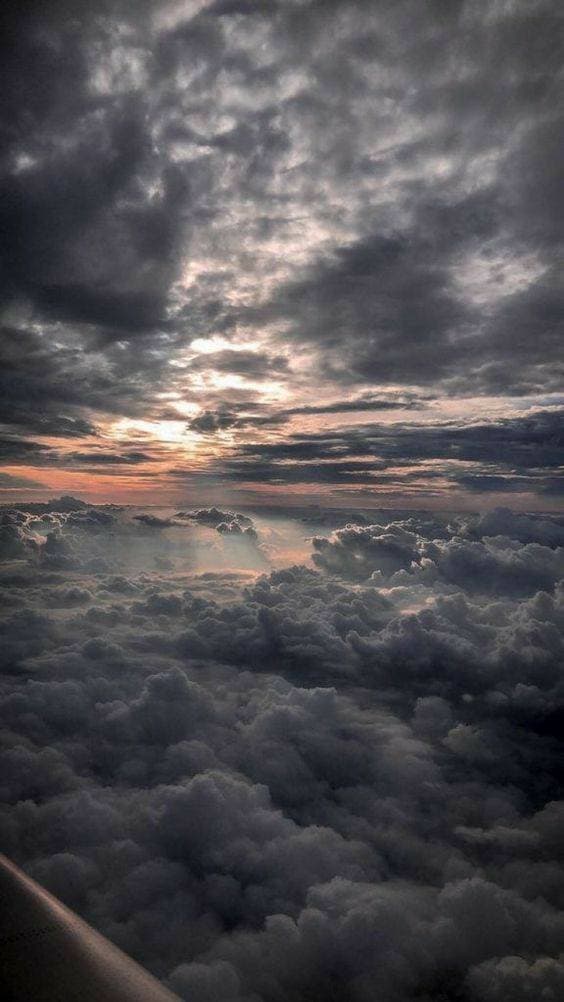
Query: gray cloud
x=248, y=415
x=495, y=565
x=164, y=140
x=17, y=450
x=252, y=364
x=106, y=458
x=215, y=516
x=520, y=454
x=301, y=785
x=532, y=441
x=337, y=779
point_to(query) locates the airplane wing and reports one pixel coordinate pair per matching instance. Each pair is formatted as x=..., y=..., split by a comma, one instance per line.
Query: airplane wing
x=49, y=954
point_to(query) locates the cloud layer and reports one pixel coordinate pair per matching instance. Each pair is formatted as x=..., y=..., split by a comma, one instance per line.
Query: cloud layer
x=339, y=779
x=228, y=223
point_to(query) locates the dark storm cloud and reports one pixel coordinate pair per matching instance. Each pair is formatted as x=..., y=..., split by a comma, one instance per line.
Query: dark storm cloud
x=311, y=787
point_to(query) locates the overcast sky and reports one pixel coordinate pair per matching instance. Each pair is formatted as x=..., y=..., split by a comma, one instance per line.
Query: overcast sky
x=285, y=250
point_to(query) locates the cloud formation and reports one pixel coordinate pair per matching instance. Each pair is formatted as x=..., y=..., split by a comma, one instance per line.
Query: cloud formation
x=331, y=780
x=228, y=223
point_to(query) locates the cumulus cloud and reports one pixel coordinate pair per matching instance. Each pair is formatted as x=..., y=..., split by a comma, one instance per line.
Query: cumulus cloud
x=334, y=780
x=215, y=516
x=230, y=524
x=498, y=565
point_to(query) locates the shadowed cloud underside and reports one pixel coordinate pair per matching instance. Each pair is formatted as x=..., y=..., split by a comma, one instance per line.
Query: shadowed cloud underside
x=231, y=229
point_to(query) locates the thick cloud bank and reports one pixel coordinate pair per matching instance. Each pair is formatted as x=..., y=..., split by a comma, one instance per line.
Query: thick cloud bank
x=334, y=781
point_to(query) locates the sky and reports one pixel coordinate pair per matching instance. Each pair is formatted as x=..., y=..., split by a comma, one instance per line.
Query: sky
x=281, y=552
x=282, y=252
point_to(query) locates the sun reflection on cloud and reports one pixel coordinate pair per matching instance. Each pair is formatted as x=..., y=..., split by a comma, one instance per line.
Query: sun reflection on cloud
x=491, y=274
x=208, y=345
x=164, y=432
